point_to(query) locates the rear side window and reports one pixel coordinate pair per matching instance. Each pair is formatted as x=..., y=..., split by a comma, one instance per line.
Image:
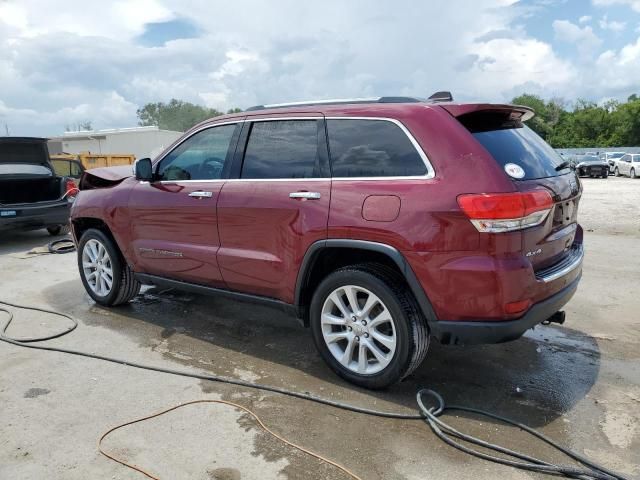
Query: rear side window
x=282, y=149
x=372, y=148
x=513, y=142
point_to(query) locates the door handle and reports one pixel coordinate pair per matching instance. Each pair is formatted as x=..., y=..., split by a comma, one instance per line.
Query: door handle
x=305, y=195
x=201, y=194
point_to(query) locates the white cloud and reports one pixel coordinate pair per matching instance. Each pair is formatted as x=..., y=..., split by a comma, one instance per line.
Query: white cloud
x=584, y=19
x=62, y=62
x=584, y=39
x=612, y=25
x=634, y=4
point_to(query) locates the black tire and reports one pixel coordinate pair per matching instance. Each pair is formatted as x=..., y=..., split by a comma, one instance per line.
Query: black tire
x=124, y=286
x=411, y=326
x=59, y=230
x=605, y=174
x=632, y=174
x=616, y=172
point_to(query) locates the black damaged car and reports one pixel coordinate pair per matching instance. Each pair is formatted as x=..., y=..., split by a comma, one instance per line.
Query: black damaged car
x=32, y=195
x=591, y=166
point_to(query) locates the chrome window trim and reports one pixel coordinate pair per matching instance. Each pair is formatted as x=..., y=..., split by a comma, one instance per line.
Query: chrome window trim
x=204, y=127
x=429, y=175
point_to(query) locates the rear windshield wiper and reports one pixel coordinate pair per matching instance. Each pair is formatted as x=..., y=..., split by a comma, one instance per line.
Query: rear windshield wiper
x=563, y=165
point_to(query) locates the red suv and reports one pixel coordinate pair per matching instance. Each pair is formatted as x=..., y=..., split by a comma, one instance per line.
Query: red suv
x=378, y=223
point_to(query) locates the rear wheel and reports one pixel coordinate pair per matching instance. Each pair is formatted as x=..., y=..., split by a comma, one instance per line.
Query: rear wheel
x=105, y=275
x=367, y=327
x=632, y=174
x=59, y=230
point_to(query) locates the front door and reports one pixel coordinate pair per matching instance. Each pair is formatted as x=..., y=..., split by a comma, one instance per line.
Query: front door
x=278, y=207
x=173, y=218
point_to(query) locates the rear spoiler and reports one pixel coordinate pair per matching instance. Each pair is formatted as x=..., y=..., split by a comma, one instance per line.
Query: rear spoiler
x=515, y=112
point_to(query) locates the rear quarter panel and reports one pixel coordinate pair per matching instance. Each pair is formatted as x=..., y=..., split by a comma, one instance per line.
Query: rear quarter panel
x=453, y=262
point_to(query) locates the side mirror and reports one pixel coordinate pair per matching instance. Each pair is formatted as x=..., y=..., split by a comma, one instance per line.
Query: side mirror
x=143, y=169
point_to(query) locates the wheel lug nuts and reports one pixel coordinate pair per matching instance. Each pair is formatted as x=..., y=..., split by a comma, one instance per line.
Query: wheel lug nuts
x=353, y=318
x=350, y=328
x=364, y=323
x=366, y=335
x=357, y=339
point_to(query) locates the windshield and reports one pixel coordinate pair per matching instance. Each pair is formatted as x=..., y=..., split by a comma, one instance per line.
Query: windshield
x=589, y=160
x=525, y=148
x=615, y=155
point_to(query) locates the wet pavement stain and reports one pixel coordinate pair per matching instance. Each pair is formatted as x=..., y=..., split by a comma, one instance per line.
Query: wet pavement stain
x=224, y=474
x=536, y=380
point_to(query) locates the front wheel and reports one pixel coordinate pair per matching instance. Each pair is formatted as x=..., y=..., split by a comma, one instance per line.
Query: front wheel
x=616, y=172
x=367, y=327
x=633, y=173
x=105, y=275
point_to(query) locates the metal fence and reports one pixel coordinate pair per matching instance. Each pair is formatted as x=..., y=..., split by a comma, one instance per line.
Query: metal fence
x=596, y=150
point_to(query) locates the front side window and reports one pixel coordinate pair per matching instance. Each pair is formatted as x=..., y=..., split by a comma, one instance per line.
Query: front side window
x=282, y=149
x=372, y=148
x=200, y=157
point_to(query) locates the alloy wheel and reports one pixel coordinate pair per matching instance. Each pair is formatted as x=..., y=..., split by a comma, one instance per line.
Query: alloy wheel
x=97, y=267
x=358, y=329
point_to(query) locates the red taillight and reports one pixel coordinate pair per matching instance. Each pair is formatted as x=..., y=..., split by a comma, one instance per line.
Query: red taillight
x=70, y=188
x=504, y=205
x=503, y=212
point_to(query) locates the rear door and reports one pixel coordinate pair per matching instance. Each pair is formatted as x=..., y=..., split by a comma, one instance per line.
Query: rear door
x=277, y=207
x=173, y=218
x=533, y=164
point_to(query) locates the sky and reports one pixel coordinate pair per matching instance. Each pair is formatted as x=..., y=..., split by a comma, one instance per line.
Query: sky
x=67, y=61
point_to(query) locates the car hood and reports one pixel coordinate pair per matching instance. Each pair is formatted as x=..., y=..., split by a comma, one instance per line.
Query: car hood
x=112, y=173
x=105, y=177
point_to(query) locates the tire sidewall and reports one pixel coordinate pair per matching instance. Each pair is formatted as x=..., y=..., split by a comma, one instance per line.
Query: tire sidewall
x=116, y=263
x=402, y=355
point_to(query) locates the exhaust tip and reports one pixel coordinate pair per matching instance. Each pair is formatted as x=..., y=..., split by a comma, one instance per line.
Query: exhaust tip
x=557, y=317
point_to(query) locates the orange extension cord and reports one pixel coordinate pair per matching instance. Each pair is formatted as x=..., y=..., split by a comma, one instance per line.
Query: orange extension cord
x=246, y=410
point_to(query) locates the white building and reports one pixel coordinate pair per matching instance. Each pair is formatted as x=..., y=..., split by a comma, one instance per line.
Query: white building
x=141, y=141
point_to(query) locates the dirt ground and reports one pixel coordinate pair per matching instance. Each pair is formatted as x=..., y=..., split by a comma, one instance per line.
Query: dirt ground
x=578, y=383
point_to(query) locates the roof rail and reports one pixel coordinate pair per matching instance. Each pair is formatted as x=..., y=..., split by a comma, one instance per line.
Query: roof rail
x=436, y=97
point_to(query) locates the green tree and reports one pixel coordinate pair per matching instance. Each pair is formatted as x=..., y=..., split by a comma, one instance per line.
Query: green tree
x=176, y=115
x=627, y=124
x=547, y=114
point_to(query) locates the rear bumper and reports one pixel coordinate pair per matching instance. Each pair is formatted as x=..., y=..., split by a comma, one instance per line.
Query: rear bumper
x=34, y=216
x=471, y=332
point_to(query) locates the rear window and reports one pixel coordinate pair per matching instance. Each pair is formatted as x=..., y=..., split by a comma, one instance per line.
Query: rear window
x=510, y=141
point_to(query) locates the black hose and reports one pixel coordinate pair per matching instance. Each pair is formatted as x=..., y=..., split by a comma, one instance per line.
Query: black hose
x=64, y=245
x=430, y=415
